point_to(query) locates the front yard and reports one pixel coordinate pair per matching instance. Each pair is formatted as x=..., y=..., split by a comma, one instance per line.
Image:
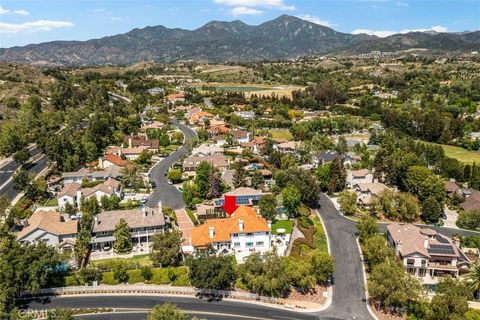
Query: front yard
x=282, y=224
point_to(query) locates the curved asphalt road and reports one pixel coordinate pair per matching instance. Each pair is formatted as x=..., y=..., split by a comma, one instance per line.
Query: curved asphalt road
x=168, y=194
x=193, y=306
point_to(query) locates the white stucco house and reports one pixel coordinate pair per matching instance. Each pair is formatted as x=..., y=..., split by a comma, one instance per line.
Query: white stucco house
x=355, y=177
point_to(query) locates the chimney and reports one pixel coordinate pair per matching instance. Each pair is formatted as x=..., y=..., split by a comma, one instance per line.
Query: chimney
x=240, y=224
x=211, y=232
x=144, y=212
x=79, y=197
x=425, y=243
x=129, y=141
x=160, y=210
x=100, y=162
x=95, y=220
x=399, y=247
x=456, y=241
x=269, y=223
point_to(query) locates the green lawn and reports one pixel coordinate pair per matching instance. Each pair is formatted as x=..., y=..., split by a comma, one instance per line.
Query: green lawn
x=281, y=134
x=460, y=154
x=320, y=238
x=52, y=202
x=143, y=260
x=285, y=224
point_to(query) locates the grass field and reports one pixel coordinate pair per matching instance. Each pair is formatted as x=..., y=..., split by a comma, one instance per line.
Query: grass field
x=143, y=260
x=461, y=154
x=249, y=89
x=281, y=134
x=285, y=224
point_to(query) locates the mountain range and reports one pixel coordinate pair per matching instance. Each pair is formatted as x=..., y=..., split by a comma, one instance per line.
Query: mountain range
x=282, y=38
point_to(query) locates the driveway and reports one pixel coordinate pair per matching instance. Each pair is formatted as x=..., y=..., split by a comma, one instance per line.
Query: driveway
x=168, y=194
x=349, y=299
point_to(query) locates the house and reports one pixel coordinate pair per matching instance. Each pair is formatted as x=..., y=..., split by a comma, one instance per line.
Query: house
x=92, y=175
x=49, y=227
x=200, y=117
x=155, y=91
x=255, y=145
x=248, y=115
x=175, y=97
x=217, y=129
x=218, y=160
x=73, y=192
x=244, y=230
x=141, y=141
x=240, y=136
x=152, y=125
x=111, y=160
x=240, y=196
x=327, y=156
x=366, y=191
x=472, y=202
x=206, y=150
x=452, y=188
x=143, y=223
x=355, y=177
x=219, y=140
x=288, y=147
x=133, y=153
x=426, y=253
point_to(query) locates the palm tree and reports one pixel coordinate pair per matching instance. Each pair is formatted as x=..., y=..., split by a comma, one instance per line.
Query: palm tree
x=474, y=278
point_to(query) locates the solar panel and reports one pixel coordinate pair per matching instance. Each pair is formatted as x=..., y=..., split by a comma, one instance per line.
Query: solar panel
x=441, y=249
x=441, y=239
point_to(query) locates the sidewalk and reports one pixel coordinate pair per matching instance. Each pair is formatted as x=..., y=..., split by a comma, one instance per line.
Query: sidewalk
x=185, y=225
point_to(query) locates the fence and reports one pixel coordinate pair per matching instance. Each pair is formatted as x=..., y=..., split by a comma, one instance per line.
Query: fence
x=153, y=289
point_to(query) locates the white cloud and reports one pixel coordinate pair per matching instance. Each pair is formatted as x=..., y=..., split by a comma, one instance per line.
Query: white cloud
x=317, y=20
x=276, y=4
x=3, y=11
x=21, y=12
x=32, y=26
x=238, y=11
x=386, y=33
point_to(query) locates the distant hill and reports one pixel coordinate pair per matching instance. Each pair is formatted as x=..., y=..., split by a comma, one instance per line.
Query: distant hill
x=282, y=38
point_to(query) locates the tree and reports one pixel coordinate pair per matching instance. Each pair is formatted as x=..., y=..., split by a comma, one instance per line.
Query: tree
x=82, y=244
x=166, y=311
x=408, y=207
x=21, y=156
x=469, y=220
x=144, y=157
x=21, y=181
x=473, y=278
x=188, y=194
x=291, y=200
x=110, y=203
x=375, y=251
x=165, y=248
x=421, y=181
x=211, y=272
x=268, y=207
x=391, y=287
x=239, y=176
x=342, y=146
x=367, y=227
x=202, y=178
x=120, y=272
x=177, y=137
x=300, y=275
x=348, y=202
x=431, y=210
x=323, y=176
x=257, y=179
x=214, y=183
x=266, y=275
x=337, y=177
x=174, y=175
x=451, y=299
x=322, y=265
x=123, y=242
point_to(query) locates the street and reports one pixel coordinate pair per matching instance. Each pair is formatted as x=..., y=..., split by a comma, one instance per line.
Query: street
x=165, y=192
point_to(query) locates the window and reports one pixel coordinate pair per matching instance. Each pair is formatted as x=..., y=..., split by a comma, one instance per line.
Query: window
x=259, y=244
x=235, y=235
x=249, y=234
x=249, y=244
x=411, y=270
x=422, y=272
x=236, y=244
x=424, y=263
x=410, y=261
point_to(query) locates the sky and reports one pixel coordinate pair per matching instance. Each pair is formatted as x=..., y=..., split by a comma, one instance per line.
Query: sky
x=35, y=21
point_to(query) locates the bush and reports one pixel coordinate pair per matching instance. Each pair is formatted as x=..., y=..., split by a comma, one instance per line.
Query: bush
x=304, y=211
x=469, y=220
x=109, y=278
x=120, y=272
x=146, y=273
x=304, y=222
x=135, y=276
x=71, y=281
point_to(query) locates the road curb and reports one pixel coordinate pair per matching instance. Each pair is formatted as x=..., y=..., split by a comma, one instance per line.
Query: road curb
x=365, y=283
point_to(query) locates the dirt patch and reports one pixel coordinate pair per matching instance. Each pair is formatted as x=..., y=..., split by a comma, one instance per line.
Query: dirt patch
x=315, y=295
x=384, y=315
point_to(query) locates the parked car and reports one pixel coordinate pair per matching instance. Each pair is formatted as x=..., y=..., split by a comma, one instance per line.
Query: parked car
x=144, y=199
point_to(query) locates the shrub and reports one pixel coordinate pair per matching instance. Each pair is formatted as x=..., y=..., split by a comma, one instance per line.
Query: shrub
x=304, y=211
x=304, y=222
x=146, y=273
x=120, y=273
x=134, y=276
x=109, y=278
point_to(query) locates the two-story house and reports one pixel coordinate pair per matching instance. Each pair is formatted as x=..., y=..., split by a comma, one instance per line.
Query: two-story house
x=49, y=227
x=426, y=253
x=244, y=230
x=143, y=223
x=356, y=177
x=72, y=193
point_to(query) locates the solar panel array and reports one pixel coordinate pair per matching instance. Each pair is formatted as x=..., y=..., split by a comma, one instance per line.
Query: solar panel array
x=441, y=249
x=240, y=200
x=441, y=239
